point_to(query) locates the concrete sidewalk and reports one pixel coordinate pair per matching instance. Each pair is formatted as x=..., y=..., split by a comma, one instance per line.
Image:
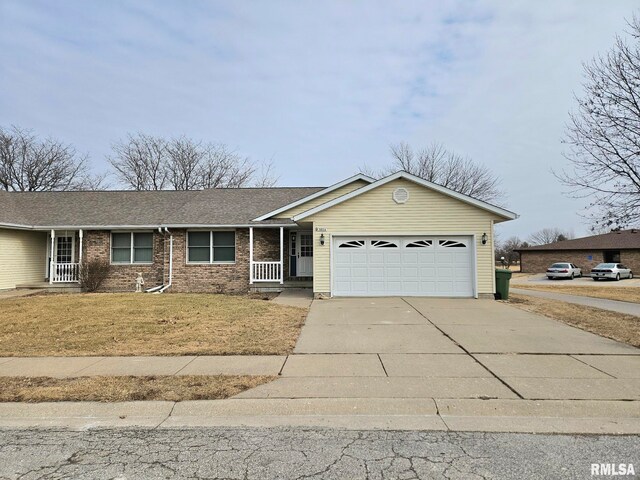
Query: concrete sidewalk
x=627, y=308
x=18, y=293
x=295, y=297
x=60, y=367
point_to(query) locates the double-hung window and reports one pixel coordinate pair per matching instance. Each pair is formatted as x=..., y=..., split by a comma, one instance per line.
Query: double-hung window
x=132, y=247
x=211, y=247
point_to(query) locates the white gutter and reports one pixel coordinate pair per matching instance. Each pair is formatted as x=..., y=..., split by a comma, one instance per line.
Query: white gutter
x=324, y=191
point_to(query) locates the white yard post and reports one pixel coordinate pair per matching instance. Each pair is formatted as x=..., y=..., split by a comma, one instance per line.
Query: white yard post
x=80, y=234
x=250, y=255
x=77, y=272
x=281, y=255
x=51, y=263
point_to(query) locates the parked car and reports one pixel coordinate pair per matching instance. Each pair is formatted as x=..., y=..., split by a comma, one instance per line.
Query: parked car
x=613, y=271
x=563, y=270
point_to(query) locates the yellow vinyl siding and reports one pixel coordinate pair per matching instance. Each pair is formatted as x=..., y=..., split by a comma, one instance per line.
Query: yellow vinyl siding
x=22, y=257
x=327, y=197
x=427, y=212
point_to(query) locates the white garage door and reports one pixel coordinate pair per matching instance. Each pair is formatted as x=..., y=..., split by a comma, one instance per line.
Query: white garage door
x=409, y=266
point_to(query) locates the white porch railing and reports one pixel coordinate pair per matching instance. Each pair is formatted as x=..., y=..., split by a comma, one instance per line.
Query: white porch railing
x=65, y=272
x=266, y=271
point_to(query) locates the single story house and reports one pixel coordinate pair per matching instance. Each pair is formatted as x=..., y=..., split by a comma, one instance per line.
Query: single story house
x=620, y=247
x=400, y=235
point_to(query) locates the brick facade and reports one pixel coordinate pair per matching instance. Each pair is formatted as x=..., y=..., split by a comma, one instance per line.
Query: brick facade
x=539, y=261
x=210, y=278
x=97, y=245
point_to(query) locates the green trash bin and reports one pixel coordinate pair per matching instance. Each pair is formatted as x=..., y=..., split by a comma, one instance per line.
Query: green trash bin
x=502, y=283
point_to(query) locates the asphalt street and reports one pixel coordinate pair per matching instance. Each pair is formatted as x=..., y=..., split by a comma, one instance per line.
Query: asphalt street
x=290, y=453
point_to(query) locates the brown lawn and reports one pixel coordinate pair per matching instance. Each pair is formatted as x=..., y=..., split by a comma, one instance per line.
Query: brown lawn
x=146, y=324
x=624, y=294
x=122, y=389
x=617, y=326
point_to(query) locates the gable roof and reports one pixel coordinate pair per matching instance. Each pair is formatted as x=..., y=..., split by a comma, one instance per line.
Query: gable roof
x=621, y=240
x=102, y=209
x=315, y=195
x=501, y=212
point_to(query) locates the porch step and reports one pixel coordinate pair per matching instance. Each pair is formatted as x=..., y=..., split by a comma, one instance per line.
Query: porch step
x=71, y=287
x=277, y=287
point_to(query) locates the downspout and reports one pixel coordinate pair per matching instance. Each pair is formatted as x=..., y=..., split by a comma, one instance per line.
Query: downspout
x=164, y=287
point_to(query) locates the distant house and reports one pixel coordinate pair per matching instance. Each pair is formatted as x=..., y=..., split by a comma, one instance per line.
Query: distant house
x=400, y=235
x=586, y=252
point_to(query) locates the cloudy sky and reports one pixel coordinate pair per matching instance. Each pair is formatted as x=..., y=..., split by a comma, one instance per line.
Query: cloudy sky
x=321, y=88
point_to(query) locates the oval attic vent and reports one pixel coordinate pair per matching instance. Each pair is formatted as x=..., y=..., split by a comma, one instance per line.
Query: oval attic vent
x=400, y=195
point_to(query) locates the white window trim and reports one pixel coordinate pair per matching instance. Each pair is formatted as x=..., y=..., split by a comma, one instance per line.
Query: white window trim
x=211, y=261
x=131, y=261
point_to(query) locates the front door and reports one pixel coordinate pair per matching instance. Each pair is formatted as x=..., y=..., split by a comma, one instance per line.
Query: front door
x=305, y=255
x=64, y=250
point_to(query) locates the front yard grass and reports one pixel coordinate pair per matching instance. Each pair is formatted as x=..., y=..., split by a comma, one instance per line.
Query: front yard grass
x=146, y=324
x=617, y=326
x=123, y=389
x=624, y=294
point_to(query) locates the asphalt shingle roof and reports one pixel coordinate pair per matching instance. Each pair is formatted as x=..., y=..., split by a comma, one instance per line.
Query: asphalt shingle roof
x=220, y=206
x=622, y=240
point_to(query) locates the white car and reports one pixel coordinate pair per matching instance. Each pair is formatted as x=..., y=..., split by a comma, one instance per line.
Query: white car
x=613, y=271
x=563, y=270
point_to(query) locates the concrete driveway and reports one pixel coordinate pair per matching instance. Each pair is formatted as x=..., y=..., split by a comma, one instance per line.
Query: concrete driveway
x=449, y=349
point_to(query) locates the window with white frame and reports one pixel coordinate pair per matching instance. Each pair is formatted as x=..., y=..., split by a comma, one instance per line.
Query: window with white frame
x=211, y=247
x=132, y=247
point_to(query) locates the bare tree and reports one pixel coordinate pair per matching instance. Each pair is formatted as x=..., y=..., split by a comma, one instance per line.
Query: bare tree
x=438, y=165
x=184, y=159
x=603, y=136
x=93, y=182
x=140, y=162
x=265, y=176
x=28, y=163
x=224, y=168
x=549, y=235
x=597, y=229
x=507, y=249
x=145, y=162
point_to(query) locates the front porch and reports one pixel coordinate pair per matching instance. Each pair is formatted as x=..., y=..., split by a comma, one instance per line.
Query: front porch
x=290, y=265
x=64, y=257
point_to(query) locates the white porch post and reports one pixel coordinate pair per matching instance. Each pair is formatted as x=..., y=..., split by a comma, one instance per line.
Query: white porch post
x=80, y=234
x=250, y=255
x=281, y=255
x=53, y=252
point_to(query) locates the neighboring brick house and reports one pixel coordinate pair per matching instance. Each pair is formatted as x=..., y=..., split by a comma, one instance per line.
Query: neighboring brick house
x=360, y=236
x=620, y=247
